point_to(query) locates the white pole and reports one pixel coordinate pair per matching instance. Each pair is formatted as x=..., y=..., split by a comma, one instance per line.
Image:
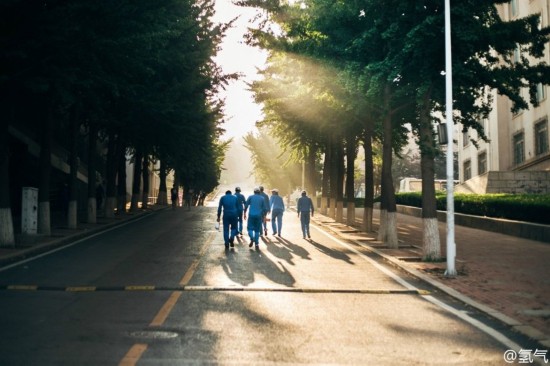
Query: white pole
x=451, y=246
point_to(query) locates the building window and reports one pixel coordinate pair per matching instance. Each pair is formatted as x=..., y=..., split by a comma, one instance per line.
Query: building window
x=541, y=138
x=482, y=163
x=514, y=9
x=541, y=92
x=519, y=148
x=465, y=138
x=467, y=170
x=517, y=54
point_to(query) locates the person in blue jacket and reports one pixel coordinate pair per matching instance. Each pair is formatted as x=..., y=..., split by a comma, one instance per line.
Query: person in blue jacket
x=256, y=206
x=305, y=207
x=266, y=212
x=277, y=206
x=230, y=207
x=241, y=201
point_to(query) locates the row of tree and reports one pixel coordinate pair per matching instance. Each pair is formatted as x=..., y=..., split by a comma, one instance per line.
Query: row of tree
x=135, y=76
x=345, y=73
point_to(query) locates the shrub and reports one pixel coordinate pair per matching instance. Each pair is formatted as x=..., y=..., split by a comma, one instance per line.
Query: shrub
x=522, y=207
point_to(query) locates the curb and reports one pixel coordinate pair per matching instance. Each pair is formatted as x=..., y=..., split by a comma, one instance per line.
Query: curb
x=514, y=324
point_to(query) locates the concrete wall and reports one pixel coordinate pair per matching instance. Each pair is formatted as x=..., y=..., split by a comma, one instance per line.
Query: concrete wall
x=537, y=182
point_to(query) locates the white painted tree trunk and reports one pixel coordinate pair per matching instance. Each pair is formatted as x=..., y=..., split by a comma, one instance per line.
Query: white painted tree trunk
x=71, y=215
x=431, y=250
x=382, y=233
x=92, y=210
x=367, y=219
x=350, y=217
x=44, y=225
x=110, y=205
x=340, y=211
x=391, y=230
x=332, y=208
x=7, y=237
x=324, y=205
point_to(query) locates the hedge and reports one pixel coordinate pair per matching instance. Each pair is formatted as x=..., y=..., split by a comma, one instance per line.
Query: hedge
x=522, y=207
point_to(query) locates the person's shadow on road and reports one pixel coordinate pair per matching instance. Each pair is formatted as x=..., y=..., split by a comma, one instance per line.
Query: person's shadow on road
x=294, y=249
x=336, y=254
x=243, y=269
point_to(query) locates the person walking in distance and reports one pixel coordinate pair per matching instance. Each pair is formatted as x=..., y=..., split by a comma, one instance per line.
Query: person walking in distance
x=241, y=201
x=228, y=203
x=256, y=206
x=187, y=198
x=305, y=207
x=264, y=215
x=277, y=206
x=174, y=196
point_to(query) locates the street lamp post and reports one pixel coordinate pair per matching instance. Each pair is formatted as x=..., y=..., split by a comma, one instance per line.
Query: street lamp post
x=451, y=246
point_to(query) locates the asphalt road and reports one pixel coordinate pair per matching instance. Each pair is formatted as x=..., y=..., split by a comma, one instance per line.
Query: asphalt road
x=163, y=291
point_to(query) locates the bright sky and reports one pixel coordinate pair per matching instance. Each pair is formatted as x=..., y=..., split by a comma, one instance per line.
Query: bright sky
x=235, y=56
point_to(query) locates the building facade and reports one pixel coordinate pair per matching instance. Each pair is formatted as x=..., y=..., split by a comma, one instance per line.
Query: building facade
x=518, y=142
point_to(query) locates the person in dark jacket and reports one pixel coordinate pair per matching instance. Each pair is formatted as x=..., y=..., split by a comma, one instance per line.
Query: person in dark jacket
x=266, y=212
x=256, y=206
x=241, y=201
x=305, y=207
x=228, y=203
x=277, y=206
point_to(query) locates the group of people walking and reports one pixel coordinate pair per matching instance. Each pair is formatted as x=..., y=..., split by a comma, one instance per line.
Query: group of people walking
x=255, y=210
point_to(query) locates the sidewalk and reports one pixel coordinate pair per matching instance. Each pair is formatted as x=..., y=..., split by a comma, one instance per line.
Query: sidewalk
x=504, y=276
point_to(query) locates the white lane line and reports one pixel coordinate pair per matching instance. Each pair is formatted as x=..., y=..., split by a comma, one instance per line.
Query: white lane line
x=507, y=342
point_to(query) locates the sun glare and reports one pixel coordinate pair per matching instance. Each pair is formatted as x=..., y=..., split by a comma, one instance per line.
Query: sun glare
x=237, y=57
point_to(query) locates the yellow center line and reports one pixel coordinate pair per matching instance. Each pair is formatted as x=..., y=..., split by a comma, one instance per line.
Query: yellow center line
x=133, y=355
x=166, y=309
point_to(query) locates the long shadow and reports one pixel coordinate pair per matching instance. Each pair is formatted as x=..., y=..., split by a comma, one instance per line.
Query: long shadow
x=237, y=270
x=243, y=269
x=331, y=252
x=295, y=249
x=278, y=251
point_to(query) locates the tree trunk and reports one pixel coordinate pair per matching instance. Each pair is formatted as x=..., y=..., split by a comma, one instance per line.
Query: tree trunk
x=340, y=174
x=351, y=154
x=163, y=192
x=310, y=173
x=93, y=204
x=121, y=181
x=369, y=179
x=7, y=236
x=72, y=211
x=145, y=173
x=111, y=175
x=326, y=181
x=333, y=184
x=136, y=184
x=388, y=210
x=431, y=248
x=45, y=161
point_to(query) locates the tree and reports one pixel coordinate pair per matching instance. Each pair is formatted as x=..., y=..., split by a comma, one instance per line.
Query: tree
x=272, y=166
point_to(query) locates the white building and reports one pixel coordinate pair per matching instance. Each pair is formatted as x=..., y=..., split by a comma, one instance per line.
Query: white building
x=517, y=157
